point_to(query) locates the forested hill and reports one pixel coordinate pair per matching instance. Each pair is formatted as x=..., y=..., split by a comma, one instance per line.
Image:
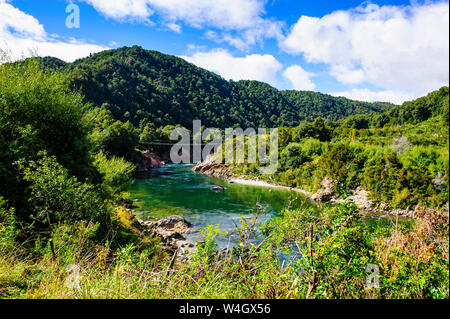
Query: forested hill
x=134, y=84
x=435, y=106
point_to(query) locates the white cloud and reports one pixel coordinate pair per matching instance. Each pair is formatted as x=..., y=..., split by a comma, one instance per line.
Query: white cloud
x=113, y=44
x=347, y=75
x=66, y=51
x=23, y=24
x=228, y=14
x=243, y=16
x=398, y=48
x=251, y=67
x=396, y=97
x=122, y=9
x=300, y=79
x=236, y=42
x=261, y=29
x=174, y=27
x=22, y=35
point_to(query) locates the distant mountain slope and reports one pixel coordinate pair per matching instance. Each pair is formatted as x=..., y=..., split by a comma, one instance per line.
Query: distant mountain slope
x=135, y=84
x=434, y=105
x=52, y=63
x=314, y=104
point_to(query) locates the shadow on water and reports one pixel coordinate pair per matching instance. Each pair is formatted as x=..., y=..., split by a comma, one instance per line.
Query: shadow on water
x=176, y=189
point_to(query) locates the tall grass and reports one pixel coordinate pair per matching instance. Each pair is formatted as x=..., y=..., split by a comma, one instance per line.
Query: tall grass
x=335, y=244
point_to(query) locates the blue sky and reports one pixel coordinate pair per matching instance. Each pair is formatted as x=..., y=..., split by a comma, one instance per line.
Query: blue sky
x=374, y=50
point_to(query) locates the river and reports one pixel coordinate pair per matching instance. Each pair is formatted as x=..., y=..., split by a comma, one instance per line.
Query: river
x=177, y=190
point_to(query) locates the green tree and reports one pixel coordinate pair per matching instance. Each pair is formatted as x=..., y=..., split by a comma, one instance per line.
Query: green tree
x=38, y=112
x=113, y=138
x=318, y=130
x=116, y=174
x=293, y=156
x=56, y=196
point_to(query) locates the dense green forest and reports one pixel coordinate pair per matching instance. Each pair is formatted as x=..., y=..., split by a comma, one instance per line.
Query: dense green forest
x=400, y=156
x=66, y=164
x=137, y=84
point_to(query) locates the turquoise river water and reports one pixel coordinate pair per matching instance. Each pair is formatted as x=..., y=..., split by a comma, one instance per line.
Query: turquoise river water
x=177, y=190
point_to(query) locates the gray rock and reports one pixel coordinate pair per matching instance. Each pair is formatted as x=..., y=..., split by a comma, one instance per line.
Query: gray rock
x=174, y=221
x=325, y=193
x=171, y=230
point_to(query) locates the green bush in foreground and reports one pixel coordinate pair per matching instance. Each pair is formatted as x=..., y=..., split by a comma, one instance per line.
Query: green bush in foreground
x=117, y=175
x=38, y=113
x=338, y=247
x=305, y=254
x=56, y=196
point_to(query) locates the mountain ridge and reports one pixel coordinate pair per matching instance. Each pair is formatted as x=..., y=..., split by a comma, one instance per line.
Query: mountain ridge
x=137, y=84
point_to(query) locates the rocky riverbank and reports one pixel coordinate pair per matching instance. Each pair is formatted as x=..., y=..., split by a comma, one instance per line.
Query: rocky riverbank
x=326, y=192
x=146, y=161
x=171, y=230
x=265, y=184
x=211, y=168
